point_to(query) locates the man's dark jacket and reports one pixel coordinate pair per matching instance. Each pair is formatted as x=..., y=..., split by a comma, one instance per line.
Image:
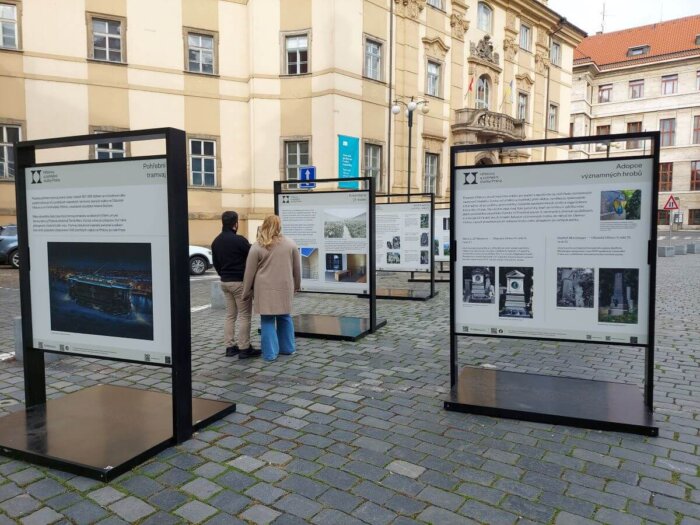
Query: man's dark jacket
x=230, y=251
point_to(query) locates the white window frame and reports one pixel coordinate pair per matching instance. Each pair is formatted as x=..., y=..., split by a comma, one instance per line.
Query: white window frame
x=201, y=50
x=433, y=81
x=298, y=62
x=6, y=22
x=431, y=172
x=523, y=106
x=109, y=37
x=202, y=157
x=671, y=133
x=605, y=88
x=437, y=4
x=634, y=84
x=291, y=171
x=373, y=163
x=553, y=117
x=484, y=17
x=374, y=62
x=697, y=81
x=525, y=36
x=555, y=56
x=7, y=162
x=108, y=150
x=483, y=93
x=669, y=80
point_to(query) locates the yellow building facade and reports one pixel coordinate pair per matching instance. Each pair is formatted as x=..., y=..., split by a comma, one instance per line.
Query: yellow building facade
x=264, y=86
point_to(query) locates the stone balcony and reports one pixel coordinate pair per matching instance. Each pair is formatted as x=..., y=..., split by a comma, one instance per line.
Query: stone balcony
x=474, y=126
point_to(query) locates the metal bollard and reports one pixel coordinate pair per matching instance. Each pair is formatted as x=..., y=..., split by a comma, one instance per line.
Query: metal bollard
x=666, y=251
x=680, y=249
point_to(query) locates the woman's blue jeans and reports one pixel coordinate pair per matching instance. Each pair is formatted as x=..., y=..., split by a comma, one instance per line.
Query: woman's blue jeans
x=277, y=339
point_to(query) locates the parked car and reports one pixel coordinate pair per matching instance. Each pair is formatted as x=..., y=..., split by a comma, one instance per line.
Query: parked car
x=200, y=260
x=9, y=254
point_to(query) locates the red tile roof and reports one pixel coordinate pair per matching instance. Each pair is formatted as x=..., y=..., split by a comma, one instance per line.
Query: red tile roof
x=665, y=40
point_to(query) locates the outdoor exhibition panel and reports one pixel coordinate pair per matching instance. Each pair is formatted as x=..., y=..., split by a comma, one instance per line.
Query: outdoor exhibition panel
x=104, y=274
x=561, y=251
x=404, y=230
x=441, y=244
x=334, y=229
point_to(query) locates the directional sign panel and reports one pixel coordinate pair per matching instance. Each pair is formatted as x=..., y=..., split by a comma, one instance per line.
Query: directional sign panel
x=307, y=173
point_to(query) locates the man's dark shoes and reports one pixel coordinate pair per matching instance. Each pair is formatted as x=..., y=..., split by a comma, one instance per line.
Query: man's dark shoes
x=248, y=353
x=232, y=351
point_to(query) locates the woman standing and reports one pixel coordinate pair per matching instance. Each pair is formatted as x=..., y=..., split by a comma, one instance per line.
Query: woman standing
x=272, y=276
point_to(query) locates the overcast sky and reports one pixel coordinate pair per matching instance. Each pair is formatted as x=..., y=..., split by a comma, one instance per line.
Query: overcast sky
x=622, y=14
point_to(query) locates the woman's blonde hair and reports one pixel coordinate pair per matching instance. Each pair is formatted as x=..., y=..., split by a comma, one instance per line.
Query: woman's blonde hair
x=269, y=232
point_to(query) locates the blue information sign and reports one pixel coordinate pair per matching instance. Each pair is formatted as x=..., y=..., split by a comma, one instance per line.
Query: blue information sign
x=348, y=160
x=307, y=173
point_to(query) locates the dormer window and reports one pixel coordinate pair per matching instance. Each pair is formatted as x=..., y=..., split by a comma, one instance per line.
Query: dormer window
x=637, y=51
x=697, y=40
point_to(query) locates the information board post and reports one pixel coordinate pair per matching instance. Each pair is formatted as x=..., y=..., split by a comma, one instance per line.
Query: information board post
x=405, y=242
x=104, y=275
x=333, y=224
x=555, y=251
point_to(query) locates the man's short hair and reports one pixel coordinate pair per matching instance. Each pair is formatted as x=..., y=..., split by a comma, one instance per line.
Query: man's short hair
x=229, y=219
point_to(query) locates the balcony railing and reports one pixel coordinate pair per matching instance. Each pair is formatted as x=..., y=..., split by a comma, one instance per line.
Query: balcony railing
x=486, y=125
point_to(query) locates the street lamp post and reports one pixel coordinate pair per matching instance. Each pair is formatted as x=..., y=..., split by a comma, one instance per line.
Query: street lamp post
x=411, y=106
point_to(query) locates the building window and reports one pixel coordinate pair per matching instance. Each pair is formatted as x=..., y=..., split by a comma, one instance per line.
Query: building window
x=637, y=51
x=296, y=154
x=605, y=93
x=107, y=40
x=553, y=117
x=110, y=150
x=432, y=164
x=665, y=176
x=200, y=53
x=695, y=175
x=297, y=47
x=697, y=81
x=696, y=129
x=8, y=136
x=203, y=163
x=373, y=59
x=694, y=217
x=435, y=3
x=602, y=130
x=667, y=126
x=433, y=78
x=664, y=217
x=373, y=164
x=634, y=127
x=483, y=92
x=522, y=106
x=525, y=37
x=669, y=84
x=571, y=133
x=636, y=88
x=555, y=53
x=8, y=26
x=484, y=17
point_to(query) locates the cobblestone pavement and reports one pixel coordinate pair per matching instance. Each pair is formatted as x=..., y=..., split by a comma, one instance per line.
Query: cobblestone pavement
x=349, y=433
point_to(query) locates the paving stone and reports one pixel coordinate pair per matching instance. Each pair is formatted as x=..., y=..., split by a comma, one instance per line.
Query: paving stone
x=444, y=517
x=201, y=488
x=26, y=476
x=229, y=502
x=260, y=515
x=161, y=518
x=614, y=517
x=168, y=499
x=483, y=513
x=45, y=489
x=372, y=513
x=265, y=493
x=235, y=481
x=304, y=486
x=441, y=498
x=43, y=516
x=19, y=505
x=131, y=509
x=405, y=469
x=335, y=517
x=246, y=463
x=105, y=496
x=84, y=512
x=298, y=505
x=195, y=511
x=564, y=518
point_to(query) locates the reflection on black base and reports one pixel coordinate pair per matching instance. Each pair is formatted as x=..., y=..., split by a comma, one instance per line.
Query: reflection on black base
x=99, y=432
x=581, y=403
x=405, y=294
x=333, y=327
x=427, y=280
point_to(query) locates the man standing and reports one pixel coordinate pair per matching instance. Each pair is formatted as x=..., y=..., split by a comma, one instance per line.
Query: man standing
x=230, y=252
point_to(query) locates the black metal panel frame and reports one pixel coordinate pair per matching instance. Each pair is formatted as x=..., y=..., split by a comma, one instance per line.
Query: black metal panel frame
x=369, y=183
x=532, y=415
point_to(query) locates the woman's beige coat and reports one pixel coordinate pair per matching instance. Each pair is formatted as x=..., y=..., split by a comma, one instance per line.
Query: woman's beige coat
x=272, y=276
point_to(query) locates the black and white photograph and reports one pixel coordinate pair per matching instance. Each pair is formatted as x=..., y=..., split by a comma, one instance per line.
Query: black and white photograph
x=515, y=291
x=479, y=284
x=101, y=288
x=424, y=239
x=396, y=242
x=345, y=224
x=424, y=220
x=575, y=287
x=393, y=258
x=618, y=295
x=424, y=257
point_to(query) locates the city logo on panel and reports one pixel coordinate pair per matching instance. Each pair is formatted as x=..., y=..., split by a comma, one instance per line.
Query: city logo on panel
x=36, y=176
x=470, y=177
